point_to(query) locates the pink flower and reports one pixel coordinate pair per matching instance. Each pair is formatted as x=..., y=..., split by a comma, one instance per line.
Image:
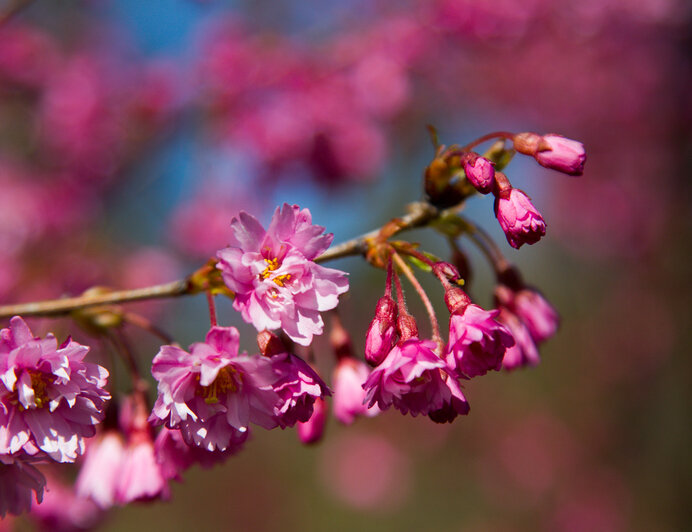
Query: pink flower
x=100, y=472
x=381, y=333
x=50, y=399
x=17, y=480
x=534, y=311
x=480, y=172
x=276, y=282
x=62, y=510
x=519, y=219
x=564, y=155
x=311, y=430
x=140, y=475
x=524, y=351
x=477, y=342
x=298, y=386
x=212, y=393
x=175, y=456
x=349, y=376
x=412, y=378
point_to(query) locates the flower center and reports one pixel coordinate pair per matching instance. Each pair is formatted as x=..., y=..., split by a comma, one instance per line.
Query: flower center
x=39, y=384
x=227, y=381
x=272, y=265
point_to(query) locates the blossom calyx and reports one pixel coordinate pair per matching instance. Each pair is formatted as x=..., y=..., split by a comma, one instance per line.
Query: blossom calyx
x=406, y=327
x=269, y=344
x=381, y=333
x=445, y=270
x=456, y=299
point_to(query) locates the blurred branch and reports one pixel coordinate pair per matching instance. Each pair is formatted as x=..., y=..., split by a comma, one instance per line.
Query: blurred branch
x=420, y=214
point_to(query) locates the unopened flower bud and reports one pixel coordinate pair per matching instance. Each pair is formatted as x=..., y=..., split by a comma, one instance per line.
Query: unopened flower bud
x=380, y=336
x=479, y=172
x=519, y=219
x=446, y=270
x=456, y=299
x=270, y=344
x=553, y=151
x=311, y=431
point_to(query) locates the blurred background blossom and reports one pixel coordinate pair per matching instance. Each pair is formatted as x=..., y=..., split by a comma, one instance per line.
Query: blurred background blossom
x=131, y=133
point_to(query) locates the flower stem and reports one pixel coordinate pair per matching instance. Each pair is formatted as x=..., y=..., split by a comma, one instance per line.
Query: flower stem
x=496, y=134
x=421, y=293
x=212, y=309
x=145, y=324
x=487, y=245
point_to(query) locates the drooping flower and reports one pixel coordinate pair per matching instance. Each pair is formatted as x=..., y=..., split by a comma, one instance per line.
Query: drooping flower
x=174, y=455
x=298, y=386
x=380, y=337
x=100, y=472
x=519, y=219
x=553, y=151
x=50, y=399
x=479, y=171
x=62, y=510
x=412, y=378
x=349, y=376
x=276, y=282
x=18, y=479
x=212, y=393
x=532, y=309
x=477, y=341
x=524, y=351
x=311, y=430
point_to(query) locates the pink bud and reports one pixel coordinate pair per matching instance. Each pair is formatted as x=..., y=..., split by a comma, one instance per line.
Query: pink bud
x=349, y=376
x=311, y=431
x=381, y=335
x=564, y=155
x=519, y=219
x=479, y=172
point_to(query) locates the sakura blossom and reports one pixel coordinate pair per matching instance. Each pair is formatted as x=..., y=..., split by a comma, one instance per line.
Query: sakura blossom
x=50, y=399
x=211, y=393
x=519, y=219
x=349, y=396
x=274, y=277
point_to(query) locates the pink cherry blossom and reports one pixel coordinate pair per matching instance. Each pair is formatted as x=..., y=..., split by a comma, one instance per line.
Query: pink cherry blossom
x=100, y=471
x=565, y=155
x=477, y=341
x=348, y=379
x=18, y=479
x=212, y=393
x=412, y=378
x=298, y=386
x=174, y=456
x=276, y=282
x=535, y=312
x=311, y=430
x=519, y=219
x=524, y=351
x=50, y=399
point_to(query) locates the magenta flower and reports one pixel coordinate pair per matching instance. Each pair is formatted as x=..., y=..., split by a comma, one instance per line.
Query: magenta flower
x=453, y=405
x=174, y=456
x=348, y=379
x=524, y=351
x=18, y=479
x=564, y=155
x=532, y=309
x=412, y=378
x=380, y=337
x=298, y=386
x=212, y=392
x=140, y=477
x=50, y=399
x=480, y=172
x=276, y=282
x=311, y=430
x=100, y=472
x=477, y=341
x=519, y=219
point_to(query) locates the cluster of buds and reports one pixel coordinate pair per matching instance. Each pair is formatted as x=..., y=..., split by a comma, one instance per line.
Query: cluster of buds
x=458, y=172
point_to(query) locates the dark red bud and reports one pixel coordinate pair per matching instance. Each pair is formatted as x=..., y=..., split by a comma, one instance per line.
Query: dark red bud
x=270, y=344
x=445, y=269
x=406, y=327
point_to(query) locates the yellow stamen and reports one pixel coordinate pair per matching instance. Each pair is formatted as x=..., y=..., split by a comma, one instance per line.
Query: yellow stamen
x=224, y=383
x=281, y=279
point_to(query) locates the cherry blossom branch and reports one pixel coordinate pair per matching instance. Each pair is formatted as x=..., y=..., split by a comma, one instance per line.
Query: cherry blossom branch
x=494, y=135
x=420, y=214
